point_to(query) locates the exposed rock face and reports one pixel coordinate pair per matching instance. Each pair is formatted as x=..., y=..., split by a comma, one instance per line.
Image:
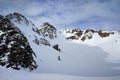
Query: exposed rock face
x=72, y=38
x=77, y=34
x=48, y=30
x=104, y=34
x=57, y=47
x=87, y=34
x=15, y=51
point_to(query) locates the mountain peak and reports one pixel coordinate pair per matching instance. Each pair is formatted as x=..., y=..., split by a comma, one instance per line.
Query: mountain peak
x=47, y=25
x=48, y=30
x=19, y=18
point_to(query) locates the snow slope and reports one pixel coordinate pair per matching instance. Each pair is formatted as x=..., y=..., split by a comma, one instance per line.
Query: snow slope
x=23, y=75
x=109, y=44
x=77, y=57
x=78, y=62
x=95, y=59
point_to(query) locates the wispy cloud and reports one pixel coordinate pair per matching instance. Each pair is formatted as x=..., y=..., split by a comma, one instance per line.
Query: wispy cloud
x=68, y=12
x=33, y=10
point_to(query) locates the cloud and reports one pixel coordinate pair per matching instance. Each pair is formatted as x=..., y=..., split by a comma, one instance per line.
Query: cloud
x=66, y=12
x=34, y=9
x=72, y=12
x=7, y=6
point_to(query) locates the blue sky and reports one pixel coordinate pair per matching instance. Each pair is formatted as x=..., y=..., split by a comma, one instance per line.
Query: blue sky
x=97, y=14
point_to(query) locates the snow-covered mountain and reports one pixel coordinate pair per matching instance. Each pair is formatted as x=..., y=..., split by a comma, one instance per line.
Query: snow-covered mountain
x=76, y=53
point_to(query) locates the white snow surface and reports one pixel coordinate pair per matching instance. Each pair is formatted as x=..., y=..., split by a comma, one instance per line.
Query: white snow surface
x=95, y=59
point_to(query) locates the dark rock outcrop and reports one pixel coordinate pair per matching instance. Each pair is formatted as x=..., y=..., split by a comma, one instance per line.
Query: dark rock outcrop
x=48, y=30
x=104, y=34
x=57, y=47
x=15, y=51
